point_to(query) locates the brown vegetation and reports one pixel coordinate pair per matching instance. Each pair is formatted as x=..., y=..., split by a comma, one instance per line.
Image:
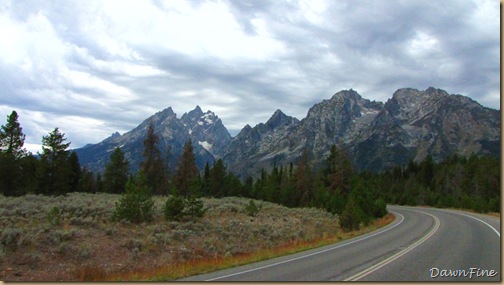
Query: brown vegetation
x=72, y=238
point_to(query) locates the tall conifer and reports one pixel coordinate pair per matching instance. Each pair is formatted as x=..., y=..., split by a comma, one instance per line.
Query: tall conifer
x=187, y=171
x=116, y=173
x=153, y=165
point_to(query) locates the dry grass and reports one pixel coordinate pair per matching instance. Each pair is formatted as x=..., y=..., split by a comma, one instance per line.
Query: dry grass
x=81, y=243
x=194, y=267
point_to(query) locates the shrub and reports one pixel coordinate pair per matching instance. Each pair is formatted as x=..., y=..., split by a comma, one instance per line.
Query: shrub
x=252, y=209
x=177, y=208
x=194, y=208
x=9, y=238
x=54, y=216
x=174, y=208
x=380, y=208
x=135, y=205
x=352, y=216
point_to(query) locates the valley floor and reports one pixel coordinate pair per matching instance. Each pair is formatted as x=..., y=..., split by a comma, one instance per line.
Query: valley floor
x=79, y=242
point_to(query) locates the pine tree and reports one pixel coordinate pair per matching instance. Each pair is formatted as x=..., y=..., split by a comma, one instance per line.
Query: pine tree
x=339, y=171
x=87, y=183
x=12, y=137
x=10, y=175
x=187, y=171
x=116, y=172
x=11, y=154
x=74, y=172
x=303, y=181
x=136, y=204
x=153, y=165
x=217, y=179
x=54, y=174
x=29, y=166
x=205, y=186
x=352, y=216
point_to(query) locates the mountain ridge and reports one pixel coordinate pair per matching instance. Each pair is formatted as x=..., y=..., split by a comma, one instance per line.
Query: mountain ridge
x=410, y=125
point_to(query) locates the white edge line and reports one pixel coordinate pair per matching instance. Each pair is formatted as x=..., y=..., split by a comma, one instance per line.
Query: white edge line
x=469, y=216
x=311, y=254
x=381, y=264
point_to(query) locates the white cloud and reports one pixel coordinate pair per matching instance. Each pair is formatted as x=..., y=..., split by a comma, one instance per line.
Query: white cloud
x=423, y=44
x=93, y=67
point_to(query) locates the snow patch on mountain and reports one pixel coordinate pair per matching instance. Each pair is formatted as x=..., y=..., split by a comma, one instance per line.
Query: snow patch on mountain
x=205, y=145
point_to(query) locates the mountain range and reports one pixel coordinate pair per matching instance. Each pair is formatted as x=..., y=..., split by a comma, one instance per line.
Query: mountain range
x=377, y=136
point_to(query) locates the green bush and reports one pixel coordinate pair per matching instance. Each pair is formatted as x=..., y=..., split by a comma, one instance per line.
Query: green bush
x=252, y=209
x=10, y=238
x=177, y=208
x=135, y=205
x=174, y=208
x=194, y=208
x=352, y=216
x=380, y=208
x=54, y=216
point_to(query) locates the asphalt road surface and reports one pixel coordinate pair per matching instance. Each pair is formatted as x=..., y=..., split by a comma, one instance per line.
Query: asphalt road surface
x=421, y=244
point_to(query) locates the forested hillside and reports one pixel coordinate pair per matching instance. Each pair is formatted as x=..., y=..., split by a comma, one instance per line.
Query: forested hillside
x=469, y=183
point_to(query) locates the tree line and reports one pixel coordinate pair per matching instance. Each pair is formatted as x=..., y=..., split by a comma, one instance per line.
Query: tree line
x=471, y=183
x=456, y=182
x=55, y=171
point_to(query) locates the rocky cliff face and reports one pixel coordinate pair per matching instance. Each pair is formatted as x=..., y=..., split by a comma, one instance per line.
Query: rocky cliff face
x=410, y=125
x=208, y=134
x=262, y=146
x=414, y=124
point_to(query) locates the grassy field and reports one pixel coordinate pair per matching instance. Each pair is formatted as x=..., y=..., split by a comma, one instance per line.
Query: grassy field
x=72, y=238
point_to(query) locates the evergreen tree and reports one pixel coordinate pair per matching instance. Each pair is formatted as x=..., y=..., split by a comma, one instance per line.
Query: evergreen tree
x=187, y=171
x=233, y=185
x=12, y=137
x=205, y=186
x=303, y=182
x=174, y=208
x=339, y=171
x=248, y=187
x=87, y=183
x=28, y=182
x=136, y=204
x=116, y=172
x=11, y=154
x=217, y=179
x=153, y=165
x=10, y=175
x=99, y=182
x=54, y=174
x=74, y=174
x=352, y=216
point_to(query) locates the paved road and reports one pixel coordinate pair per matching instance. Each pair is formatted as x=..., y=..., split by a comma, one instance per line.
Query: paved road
x=421, y=244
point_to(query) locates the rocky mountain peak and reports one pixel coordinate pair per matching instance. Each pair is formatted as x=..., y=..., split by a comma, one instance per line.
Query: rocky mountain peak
x=280, y=119
x=115, y=135
x=166, y=113
x=193, y=115
x=347, y=94
x=410, y=125
x=197, y=117
x=409, y=98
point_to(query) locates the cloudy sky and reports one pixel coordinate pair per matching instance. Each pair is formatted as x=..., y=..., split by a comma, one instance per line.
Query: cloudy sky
x=95, y=67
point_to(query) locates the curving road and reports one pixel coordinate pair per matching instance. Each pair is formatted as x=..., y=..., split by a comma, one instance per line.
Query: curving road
x=421, y=244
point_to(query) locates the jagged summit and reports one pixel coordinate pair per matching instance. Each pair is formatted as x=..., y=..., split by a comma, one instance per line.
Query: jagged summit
x=280, y=119
x=350, y=93
x=410, y=125
x=194, y=114
x=208, y=134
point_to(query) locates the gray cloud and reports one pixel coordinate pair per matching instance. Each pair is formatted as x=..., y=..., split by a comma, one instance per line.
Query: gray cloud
x=95, y=67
